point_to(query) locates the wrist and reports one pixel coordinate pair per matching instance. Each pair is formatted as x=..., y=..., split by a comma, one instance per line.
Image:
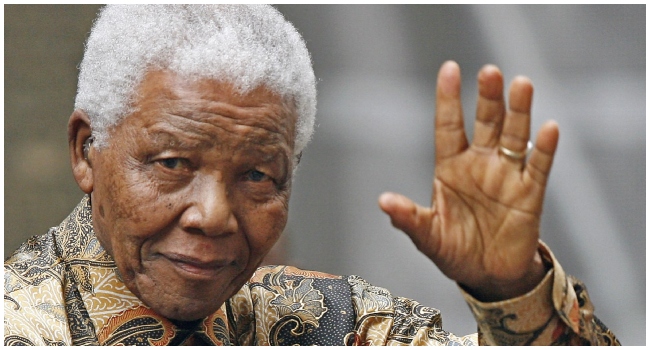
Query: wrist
x=494, y=290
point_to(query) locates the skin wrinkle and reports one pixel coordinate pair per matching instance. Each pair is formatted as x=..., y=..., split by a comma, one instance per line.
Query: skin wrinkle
x=250, y=115
x=462, y=196
x=252, y=133
x=491, y=138
x=167, y=134
x=467, y=180
x=539, y=177
x=109, y=81
x=168, y=131
x=152, y=211
x=443, y=218
x=486, y=258
x=195, y=103
x=514, y=137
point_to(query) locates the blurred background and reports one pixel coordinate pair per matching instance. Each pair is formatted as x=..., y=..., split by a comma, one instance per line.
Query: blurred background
x=376, y=67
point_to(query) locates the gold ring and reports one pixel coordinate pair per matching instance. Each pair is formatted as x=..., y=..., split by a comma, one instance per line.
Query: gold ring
x=517, y=155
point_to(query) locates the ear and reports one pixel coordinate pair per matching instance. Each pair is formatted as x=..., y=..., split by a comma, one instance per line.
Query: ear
x=298, y=157
x=79, y=132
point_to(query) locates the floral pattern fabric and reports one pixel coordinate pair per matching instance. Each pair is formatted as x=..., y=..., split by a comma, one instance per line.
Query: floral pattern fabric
x=62, y=288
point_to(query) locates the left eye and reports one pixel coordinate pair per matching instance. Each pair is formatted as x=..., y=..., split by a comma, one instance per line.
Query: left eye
x=256, y=176
x=171, y=163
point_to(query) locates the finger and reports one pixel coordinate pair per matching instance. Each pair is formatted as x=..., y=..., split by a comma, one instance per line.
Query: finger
x=490, y=107
x=407, y=216
x=449, y=128
x=539, y=165
x=516, y=126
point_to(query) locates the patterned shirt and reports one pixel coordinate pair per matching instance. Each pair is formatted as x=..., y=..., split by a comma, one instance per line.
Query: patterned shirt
x=63, y=288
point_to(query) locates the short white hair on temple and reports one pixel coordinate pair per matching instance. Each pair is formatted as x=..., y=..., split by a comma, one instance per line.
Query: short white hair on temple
x=246, y=45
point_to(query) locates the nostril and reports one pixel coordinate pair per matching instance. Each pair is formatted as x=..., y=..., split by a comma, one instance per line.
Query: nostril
x=209, y=220
x=194, y=231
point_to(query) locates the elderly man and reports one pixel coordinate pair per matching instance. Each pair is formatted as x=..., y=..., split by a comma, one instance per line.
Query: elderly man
x=188, y=126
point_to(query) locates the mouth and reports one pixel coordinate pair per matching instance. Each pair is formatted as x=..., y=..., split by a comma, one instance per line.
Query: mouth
x=197, y=268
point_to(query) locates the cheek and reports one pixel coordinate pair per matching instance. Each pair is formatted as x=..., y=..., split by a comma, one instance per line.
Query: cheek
x=264, y=227
x=125, y=193
x=127, y=210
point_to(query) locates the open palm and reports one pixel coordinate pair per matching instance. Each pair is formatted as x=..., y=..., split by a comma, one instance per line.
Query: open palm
x=482, y=228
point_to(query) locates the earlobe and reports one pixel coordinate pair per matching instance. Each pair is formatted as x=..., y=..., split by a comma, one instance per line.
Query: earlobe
x=80, y=144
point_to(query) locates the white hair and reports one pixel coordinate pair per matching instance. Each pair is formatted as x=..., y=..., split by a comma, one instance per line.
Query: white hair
x=246, y=45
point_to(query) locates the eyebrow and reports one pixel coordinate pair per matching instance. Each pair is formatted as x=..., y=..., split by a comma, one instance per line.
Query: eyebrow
x=165, y=136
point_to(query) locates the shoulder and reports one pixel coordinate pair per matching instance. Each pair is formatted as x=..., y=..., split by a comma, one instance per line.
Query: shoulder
x=294, y=306
x=32, y=263
x=267, y=273
x=34, y=311
x=286, y=285
x=289, y=288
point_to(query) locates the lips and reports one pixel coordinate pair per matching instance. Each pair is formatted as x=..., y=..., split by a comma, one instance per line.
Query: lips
x=198, y=268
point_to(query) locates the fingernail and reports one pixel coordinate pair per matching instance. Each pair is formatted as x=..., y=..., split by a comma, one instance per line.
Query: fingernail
x=449, y=78
x=386, y=198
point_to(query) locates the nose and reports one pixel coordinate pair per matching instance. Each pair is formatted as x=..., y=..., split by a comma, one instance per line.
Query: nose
x=210, y=211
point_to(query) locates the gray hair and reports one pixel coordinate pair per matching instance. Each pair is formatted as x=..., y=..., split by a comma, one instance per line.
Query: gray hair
x=246, y=45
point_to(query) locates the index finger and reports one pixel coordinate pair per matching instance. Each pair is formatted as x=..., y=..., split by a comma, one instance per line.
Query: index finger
x=449, y=132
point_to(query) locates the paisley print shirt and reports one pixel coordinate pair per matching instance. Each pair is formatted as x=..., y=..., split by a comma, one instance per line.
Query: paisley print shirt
x=62, y=288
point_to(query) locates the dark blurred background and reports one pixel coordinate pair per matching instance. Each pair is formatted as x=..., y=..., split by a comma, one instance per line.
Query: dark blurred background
x=376, y=66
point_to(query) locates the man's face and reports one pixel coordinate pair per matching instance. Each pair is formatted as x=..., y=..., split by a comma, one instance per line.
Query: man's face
x=193, y=190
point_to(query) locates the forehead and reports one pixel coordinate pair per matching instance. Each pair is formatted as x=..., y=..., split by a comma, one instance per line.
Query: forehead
x=202, y=100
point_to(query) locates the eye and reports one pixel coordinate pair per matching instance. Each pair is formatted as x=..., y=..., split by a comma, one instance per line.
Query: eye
x=171, y=163
x=256, y=176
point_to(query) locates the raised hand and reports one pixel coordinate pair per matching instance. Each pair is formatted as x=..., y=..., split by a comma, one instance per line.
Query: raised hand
x=482, y=228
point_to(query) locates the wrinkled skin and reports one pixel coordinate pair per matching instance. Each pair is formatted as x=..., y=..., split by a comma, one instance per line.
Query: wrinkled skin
x=192, y=190
x=189, y=213
x=482, y=228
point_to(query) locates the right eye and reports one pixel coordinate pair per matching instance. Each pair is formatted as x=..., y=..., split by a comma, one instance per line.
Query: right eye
x=257, y=176
x=172, y=163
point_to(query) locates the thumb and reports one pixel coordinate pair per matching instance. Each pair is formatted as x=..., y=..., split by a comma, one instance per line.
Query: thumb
x=409, y=217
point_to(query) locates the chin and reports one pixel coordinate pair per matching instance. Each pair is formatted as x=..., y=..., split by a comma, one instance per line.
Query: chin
x=189, y=316
x=176, y=306
x=186, y=312
x=181, y=299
